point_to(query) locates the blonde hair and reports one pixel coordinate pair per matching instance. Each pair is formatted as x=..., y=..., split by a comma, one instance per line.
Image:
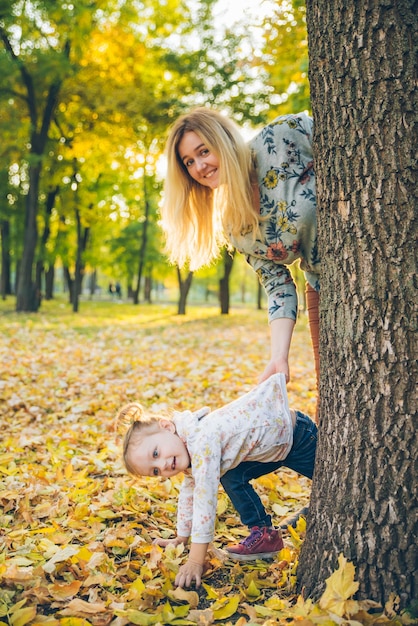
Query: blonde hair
x=131, y=425
x=196, y=219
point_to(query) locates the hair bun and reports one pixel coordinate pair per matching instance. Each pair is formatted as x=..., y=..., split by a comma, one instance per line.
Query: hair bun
x=127, y=417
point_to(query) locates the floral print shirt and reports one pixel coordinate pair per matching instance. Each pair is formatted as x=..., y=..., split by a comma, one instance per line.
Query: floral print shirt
x=283, y=152
x=256, y=427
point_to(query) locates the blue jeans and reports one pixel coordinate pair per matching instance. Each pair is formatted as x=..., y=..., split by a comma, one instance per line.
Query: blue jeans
x=301, y=459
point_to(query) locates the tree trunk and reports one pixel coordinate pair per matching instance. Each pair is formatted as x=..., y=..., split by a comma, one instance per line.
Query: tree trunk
x=82, y=239
x=49, y=282
x=5, y=279
x=70, y=282
x=364, y=495
x=184, y=288
x=40, y=264
x=28, y=295
x=228, y=258
x=147, y=289
x=144, y=241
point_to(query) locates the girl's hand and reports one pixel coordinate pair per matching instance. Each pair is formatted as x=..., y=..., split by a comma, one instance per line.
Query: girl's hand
x=175, y=541
x=189, y=572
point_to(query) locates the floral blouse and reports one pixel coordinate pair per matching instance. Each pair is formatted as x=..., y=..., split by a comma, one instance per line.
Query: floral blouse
x=283, y=152
x=256, y=427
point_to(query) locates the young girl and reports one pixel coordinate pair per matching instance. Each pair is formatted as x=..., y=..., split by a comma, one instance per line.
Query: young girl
x=249, y=437
x=258, y=197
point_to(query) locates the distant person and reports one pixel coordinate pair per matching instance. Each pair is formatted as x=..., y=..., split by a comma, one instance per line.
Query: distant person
x=250, y=437
x=258, y=197
x=118, y=290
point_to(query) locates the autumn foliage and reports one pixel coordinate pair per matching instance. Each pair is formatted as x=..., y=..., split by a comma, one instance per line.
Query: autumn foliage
x=76, y=531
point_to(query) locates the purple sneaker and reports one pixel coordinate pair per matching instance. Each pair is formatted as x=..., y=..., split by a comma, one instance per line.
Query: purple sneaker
x=262, y=543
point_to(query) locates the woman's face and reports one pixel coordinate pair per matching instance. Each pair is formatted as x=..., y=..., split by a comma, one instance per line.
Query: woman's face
x=201, y=164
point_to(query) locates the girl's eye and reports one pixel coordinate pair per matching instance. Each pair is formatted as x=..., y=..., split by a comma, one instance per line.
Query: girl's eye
x=189, y=163
x=204, y=152
x=155, y=471
x=155, y=453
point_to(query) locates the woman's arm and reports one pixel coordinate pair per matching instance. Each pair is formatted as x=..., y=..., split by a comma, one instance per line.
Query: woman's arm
x=281, y=330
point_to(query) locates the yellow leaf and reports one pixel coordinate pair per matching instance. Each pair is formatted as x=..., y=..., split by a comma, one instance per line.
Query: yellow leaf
x=82, y=555
x=68, y=472
x=296, y=540
x=211, y=592
x=64, y=591
x=22, y=616
x=252, y=590
x=188, y=596
x=136, y=589
x=340, y=586
x=142, y=619
x=228, y=609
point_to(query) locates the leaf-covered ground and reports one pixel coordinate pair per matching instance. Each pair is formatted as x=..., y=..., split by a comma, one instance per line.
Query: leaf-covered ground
x=76, y=531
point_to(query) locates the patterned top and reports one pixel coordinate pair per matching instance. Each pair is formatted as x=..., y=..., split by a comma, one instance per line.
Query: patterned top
x=256, y=427
x=283, y=152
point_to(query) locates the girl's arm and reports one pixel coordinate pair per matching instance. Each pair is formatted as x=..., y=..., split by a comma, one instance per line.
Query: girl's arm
x=193, y=568
x=281, y=330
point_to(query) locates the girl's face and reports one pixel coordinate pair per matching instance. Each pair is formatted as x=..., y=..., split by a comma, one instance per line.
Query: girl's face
x=200, y=162
x=160, y=453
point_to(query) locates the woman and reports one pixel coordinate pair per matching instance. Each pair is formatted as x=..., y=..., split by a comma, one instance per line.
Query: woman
x=258, y=197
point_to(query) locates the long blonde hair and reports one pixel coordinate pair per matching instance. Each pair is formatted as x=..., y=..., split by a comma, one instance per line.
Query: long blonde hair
x=131, y=424
x=196, y=219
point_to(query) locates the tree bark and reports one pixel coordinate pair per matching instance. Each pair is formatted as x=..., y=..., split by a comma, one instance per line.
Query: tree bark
x=364, y=101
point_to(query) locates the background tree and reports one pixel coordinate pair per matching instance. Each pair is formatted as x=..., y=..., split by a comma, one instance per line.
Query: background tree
x=285, y=57
x=365, y=104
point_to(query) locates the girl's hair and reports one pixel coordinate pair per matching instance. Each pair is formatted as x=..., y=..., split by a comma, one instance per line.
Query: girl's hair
x=196, y=219
x=131, y=424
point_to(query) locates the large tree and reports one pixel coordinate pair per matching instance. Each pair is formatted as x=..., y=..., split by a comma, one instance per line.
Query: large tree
x=363, y=61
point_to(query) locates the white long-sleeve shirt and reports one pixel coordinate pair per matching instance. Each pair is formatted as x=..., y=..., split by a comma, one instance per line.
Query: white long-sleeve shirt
x=256, y=427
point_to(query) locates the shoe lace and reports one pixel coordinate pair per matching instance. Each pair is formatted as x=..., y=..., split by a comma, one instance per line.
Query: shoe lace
x=255, y=534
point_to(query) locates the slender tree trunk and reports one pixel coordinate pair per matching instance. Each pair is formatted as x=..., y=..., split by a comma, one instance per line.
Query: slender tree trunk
x=224, y=294
x=82, y=239
x=6, y=285
x=49, y=282
x=70, y=283
x=144, y=240
x=40, y=264
x=28, y=295
x=184, y=288
x=147, y=289
x=365, y=105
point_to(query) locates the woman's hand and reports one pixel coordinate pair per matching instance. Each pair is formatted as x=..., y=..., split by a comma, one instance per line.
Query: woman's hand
x=175, y=541
x=189, y=572
x=276, y=366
